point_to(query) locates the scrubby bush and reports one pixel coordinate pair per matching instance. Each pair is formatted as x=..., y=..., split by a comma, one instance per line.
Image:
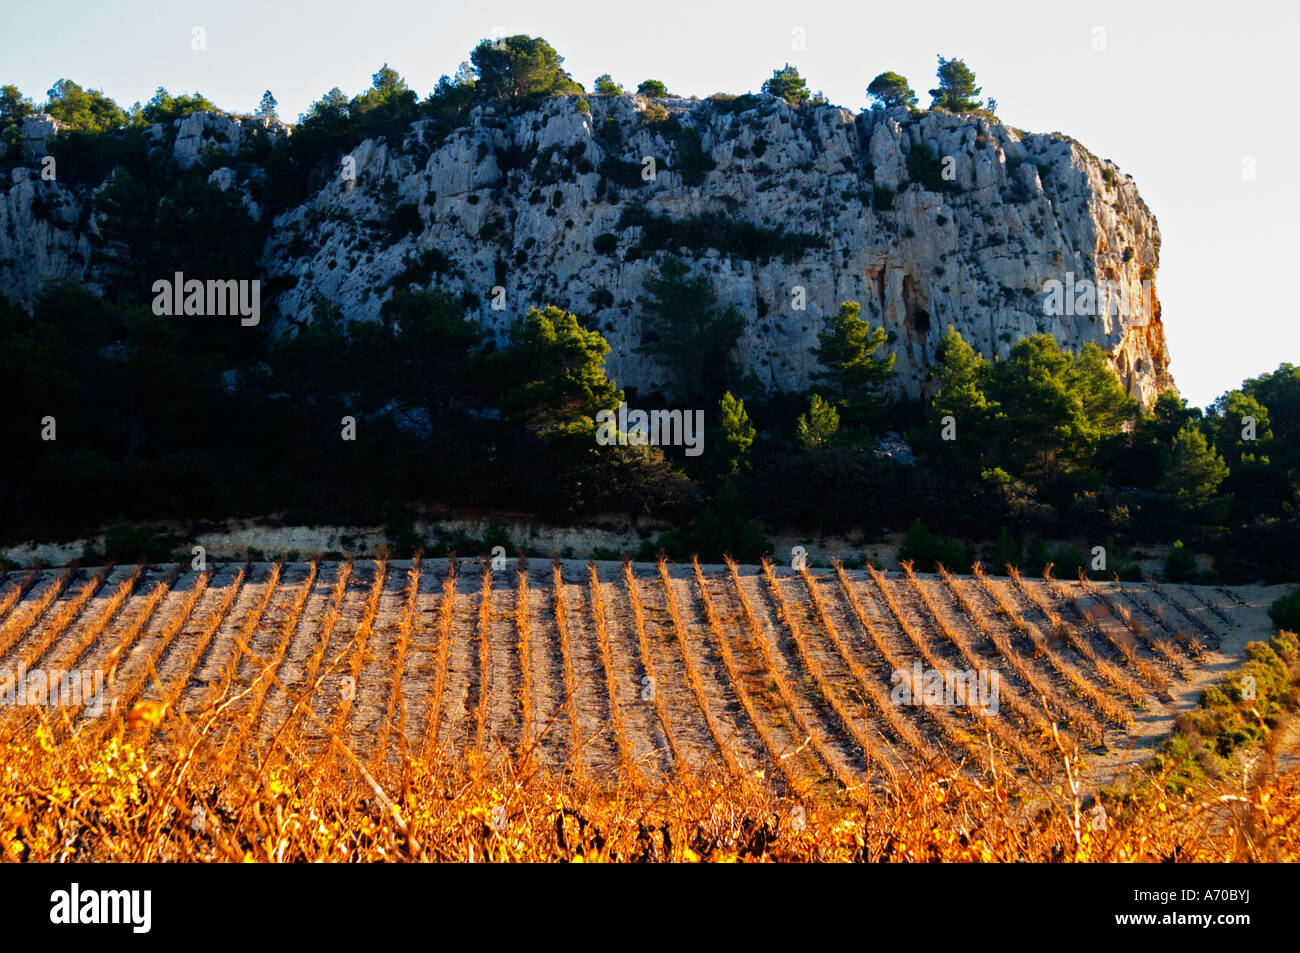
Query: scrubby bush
x=1180, y=565
x=927, y=552
x=1285, y=611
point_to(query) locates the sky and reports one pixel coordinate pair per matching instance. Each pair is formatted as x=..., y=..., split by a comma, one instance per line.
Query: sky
x=1180, y=95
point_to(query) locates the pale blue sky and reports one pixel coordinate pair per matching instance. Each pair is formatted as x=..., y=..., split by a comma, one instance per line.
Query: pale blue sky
x=1179, y=96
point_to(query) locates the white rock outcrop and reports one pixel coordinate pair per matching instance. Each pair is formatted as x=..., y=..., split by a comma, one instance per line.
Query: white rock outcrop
x=36, y=129
x=927, y=220
x=520, y=200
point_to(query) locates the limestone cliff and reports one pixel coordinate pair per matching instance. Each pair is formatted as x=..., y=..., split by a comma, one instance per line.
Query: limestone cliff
x=928, y=220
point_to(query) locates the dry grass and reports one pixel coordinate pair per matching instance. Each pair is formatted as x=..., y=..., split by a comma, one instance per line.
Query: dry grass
x=1122, y=642
x=1022, y=706
x=1005, y=732
x=1063, y=633
x=262, y=684
x=947, y=724
x=596, y=603
x=396, y=703
x=46, y=635
x=157, y=792
x=293, y=720
x=1156, y=643
x=1114, y=711
x=15, y=592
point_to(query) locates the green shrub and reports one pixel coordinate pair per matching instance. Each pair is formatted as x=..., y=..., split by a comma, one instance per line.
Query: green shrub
x=724, y=103
x=924, y=167
x=1285, y=612
x=1066, y=560
x=622, y=172
x=723, y=528
x=712, y=230
x=690, y=159
x=610, y=133
x=1236, y=713
x=1005, y=552
x=1180, y=566
x=129, y=543
x=926, y=551
x=1120, y=564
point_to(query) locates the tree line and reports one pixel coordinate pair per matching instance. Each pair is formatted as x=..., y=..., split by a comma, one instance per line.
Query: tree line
x=161, y=419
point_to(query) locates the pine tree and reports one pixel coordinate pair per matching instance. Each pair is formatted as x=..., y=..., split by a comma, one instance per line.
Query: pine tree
x=83, y=109
x=605, y=86
x=686, y=332
x=266, y=108
x=787, y=84
x=816, y=428
x=1192, y=471
x=1041, y=430
x=559, y=368
x=852, y=376
x=891, y=89
x=737, y=432
x=518, y=68
x=963, y=377
x=957, y=89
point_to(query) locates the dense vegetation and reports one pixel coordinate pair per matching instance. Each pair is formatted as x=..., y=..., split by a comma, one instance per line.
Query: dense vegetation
x=158, y=419
x=164, y=419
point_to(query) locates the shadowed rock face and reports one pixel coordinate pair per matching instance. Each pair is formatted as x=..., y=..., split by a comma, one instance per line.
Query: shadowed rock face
x=928, y=221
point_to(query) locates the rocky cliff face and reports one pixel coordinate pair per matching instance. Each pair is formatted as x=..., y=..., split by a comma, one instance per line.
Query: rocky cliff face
x=928, y=221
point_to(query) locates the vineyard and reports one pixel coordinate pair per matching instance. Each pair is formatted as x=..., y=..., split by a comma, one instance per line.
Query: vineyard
x=832, y=687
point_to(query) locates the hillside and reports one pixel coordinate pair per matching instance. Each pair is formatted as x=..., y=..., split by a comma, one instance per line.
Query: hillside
x=928, y=220
x=714, y=322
